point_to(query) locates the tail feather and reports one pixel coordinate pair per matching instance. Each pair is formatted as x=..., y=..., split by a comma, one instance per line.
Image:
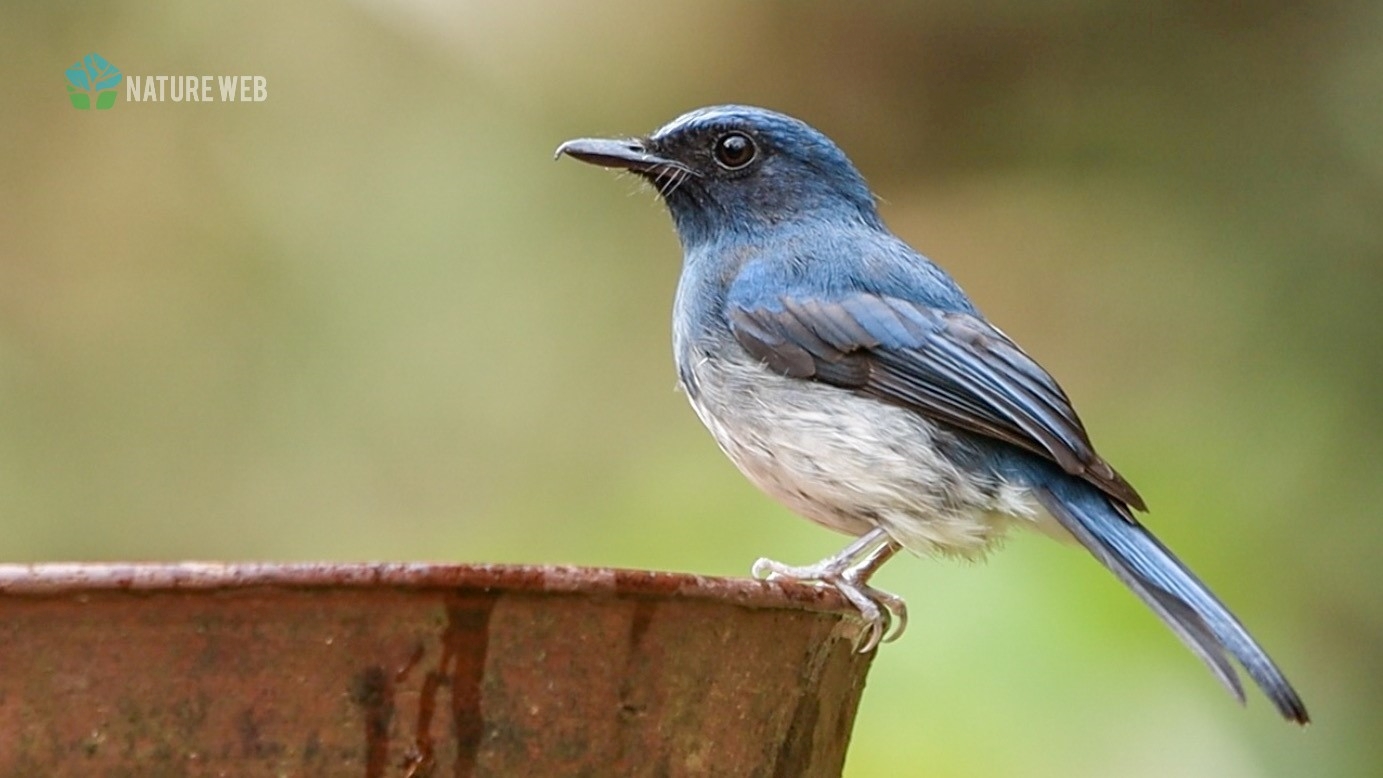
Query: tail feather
x=1174, y=593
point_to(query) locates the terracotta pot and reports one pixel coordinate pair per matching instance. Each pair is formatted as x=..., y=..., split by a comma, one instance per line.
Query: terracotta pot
x=419, y=670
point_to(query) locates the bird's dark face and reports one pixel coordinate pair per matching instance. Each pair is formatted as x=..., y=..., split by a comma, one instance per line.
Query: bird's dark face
x=731, y=169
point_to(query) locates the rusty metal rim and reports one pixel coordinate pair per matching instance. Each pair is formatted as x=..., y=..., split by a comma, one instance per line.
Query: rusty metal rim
x=60, y=578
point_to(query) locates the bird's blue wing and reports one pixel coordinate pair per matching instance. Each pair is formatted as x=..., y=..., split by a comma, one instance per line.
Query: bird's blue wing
x=949, y=366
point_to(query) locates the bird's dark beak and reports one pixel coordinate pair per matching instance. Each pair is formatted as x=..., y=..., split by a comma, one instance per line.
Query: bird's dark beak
x=630, y=154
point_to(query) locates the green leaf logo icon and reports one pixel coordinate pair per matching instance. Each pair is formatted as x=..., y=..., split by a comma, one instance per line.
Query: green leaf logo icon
x=92, y=74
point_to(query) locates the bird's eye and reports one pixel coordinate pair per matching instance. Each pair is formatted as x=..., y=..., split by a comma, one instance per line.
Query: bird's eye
x=734, y=151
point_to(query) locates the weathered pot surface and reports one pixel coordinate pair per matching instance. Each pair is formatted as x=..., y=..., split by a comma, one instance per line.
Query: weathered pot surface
x=418, y=670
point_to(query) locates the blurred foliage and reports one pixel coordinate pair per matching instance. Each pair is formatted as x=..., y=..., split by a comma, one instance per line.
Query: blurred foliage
x=370, y=318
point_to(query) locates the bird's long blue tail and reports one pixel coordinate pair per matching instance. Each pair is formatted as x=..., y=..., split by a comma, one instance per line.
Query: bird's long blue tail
x=1173, y=592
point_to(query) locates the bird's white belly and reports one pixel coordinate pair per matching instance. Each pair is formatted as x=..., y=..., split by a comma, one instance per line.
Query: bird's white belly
x=849, y=462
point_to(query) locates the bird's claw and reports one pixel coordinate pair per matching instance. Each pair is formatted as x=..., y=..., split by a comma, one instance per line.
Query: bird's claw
x=885, y=615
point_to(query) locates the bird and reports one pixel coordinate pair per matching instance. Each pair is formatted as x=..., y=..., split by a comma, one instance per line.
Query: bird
x=850, y=378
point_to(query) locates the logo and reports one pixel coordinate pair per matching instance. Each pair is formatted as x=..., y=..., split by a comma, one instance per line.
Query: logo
x=92, y=75
x=93, y=80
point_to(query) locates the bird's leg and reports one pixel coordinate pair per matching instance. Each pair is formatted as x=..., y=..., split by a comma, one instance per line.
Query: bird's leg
x=831, y=566
x=848, y=572
x=894, y=605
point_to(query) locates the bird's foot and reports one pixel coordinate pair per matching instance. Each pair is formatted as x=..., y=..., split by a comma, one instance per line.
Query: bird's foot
x=885, y=615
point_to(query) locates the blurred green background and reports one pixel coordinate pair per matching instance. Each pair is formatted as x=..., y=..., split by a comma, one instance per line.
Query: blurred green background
x=371, y=319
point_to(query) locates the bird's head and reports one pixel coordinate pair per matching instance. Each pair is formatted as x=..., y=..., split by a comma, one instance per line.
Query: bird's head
x=733, y=169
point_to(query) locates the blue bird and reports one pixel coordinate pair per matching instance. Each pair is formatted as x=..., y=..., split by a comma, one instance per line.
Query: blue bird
x=850, y=378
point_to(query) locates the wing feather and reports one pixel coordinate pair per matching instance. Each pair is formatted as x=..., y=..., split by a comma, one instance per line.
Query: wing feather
x=952, y=367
